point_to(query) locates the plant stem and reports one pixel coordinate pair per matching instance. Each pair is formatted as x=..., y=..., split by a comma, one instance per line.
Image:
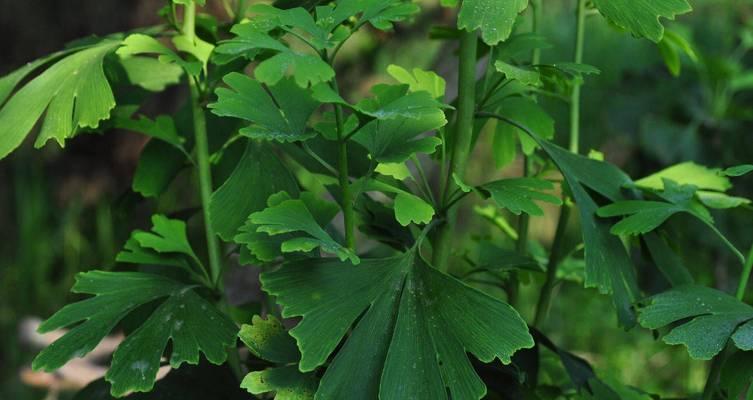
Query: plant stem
x=537, y=12
x=349, y=221
x=461, y=142
x=202, y=155
x=745, y=277
x=545, y=296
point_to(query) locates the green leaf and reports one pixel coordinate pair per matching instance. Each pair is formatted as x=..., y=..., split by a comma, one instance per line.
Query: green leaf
x=531, y=115
x=715, y=317
x=403, y=118
x=398, y=171
x=162, y=128
x=641, y=17
x=158, y=165
x=739, y=170
x=526, y=76
x=408, y=207
x=190, y=322
x=720, y=200
x=268, y=340
x=736, y=374
x=518, y=195
x=307, y=69
x=167, y=236
x=521, y=45
x=642, y=216
x=608, y=265
x=415, y=329
x=419, y=80
x=286, y=382
x=687, y=173
x=74, y=92
x=279, y=112
x=381, y=14
x=258, y=175
x=139, y=43
x=667, y=261
x=671, y=47
x=294, y=216
x=151, y=74
x=495, y=18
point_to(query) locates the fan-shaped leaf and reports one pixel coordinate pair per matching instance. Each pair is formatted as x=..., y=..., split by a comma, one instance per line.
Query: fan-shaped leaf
x=519, y=194
x=641, y=17
x=416, y=326
x=495, y=18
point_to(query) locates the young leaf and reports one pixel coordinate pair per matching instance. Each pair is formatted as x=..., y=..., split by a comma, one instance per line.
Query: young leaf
x=419, y=80
x=528, y=113
x=279, y=112
x=495, y=18
x=268, y=340
x=151, y=74
x=415, y=329
x=381, y=14
x=715, y=317
x=74, y=91
x=641, y=17
x=528, y=77
x=687, y=173
x=294, y=216
x=408, y=207
x=139, y=43
x=258, y=175
x=518, y=194
x=190, y=322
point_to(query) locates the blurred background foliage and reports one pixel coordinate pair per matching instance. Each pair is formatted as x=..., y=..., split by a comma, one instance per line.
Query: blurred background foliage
x=67, y=211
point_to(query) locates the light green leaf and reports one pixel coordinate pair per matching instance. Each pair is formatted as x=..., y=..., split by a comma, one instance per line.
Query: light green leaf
x=74, y=92
x=398, y=171
x=162, y=128
x=720, y=200
x=294, y=216
x=495, y=18
x=139, y=43
x=410, y=326
x=151, y=74
x=412, y=209
x=279, y=113
x=641, y=17
x=286, y=382
x=419, y=80
x=715, y=317
x=190, y=322
x=258, y=175
x=167, y=236
x=671, y=47
x=687, y=173
x=198, y=48
x=518, y=195
x=527, y=112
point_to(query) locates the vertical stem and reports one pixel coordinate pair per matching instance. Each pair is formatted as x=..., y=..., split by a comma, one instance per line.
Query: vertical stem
x=536, y=8
x=545, y=296
x=349, y=221
x=461, y=141
x=202, y=154
x=745, y=277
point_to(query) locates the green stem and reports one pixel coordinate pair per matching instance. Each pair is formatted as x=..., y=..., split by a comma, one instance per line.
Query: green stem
x=343, y=176
x=545, y=296
x=461, y=142
x=202, y=155
x=745, y=277
x=536, y=8
x=714, y=372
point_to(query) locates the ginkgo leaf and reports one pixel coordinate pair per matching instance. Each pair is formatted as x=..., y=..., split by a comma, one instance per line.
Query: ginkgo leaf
x=258, y=175
x=641, y=17
x=278, y=112
x=410, y=326
x=167, y=236
x=402, y=119
x=641, y=216
x=528, y=113
x=294, y=216
x=419, y=80
x=269, y=340
x=408, y=207
x=608, y=265
x=139, y=43
x=495, y=18
x=151, y=74
x=398, y=171
x=526, y=76
x=192, y=324
x=519, y=194
x=287, y=383
x=307, y=69
x=714, y=317
x=162, y=128
x=73, y=91
x=720, y=200
x=738, y=170
x=687, y=173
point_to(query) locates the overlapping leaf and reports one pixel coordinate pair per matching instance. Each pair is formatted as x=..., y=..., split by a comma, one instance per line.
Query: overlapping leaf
x=416, y=325
x=641, y=17
x=278, y=112
x=715, y=317
x=519, y=194
x=192, y=324
x=495, y=18
x=74, y=92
